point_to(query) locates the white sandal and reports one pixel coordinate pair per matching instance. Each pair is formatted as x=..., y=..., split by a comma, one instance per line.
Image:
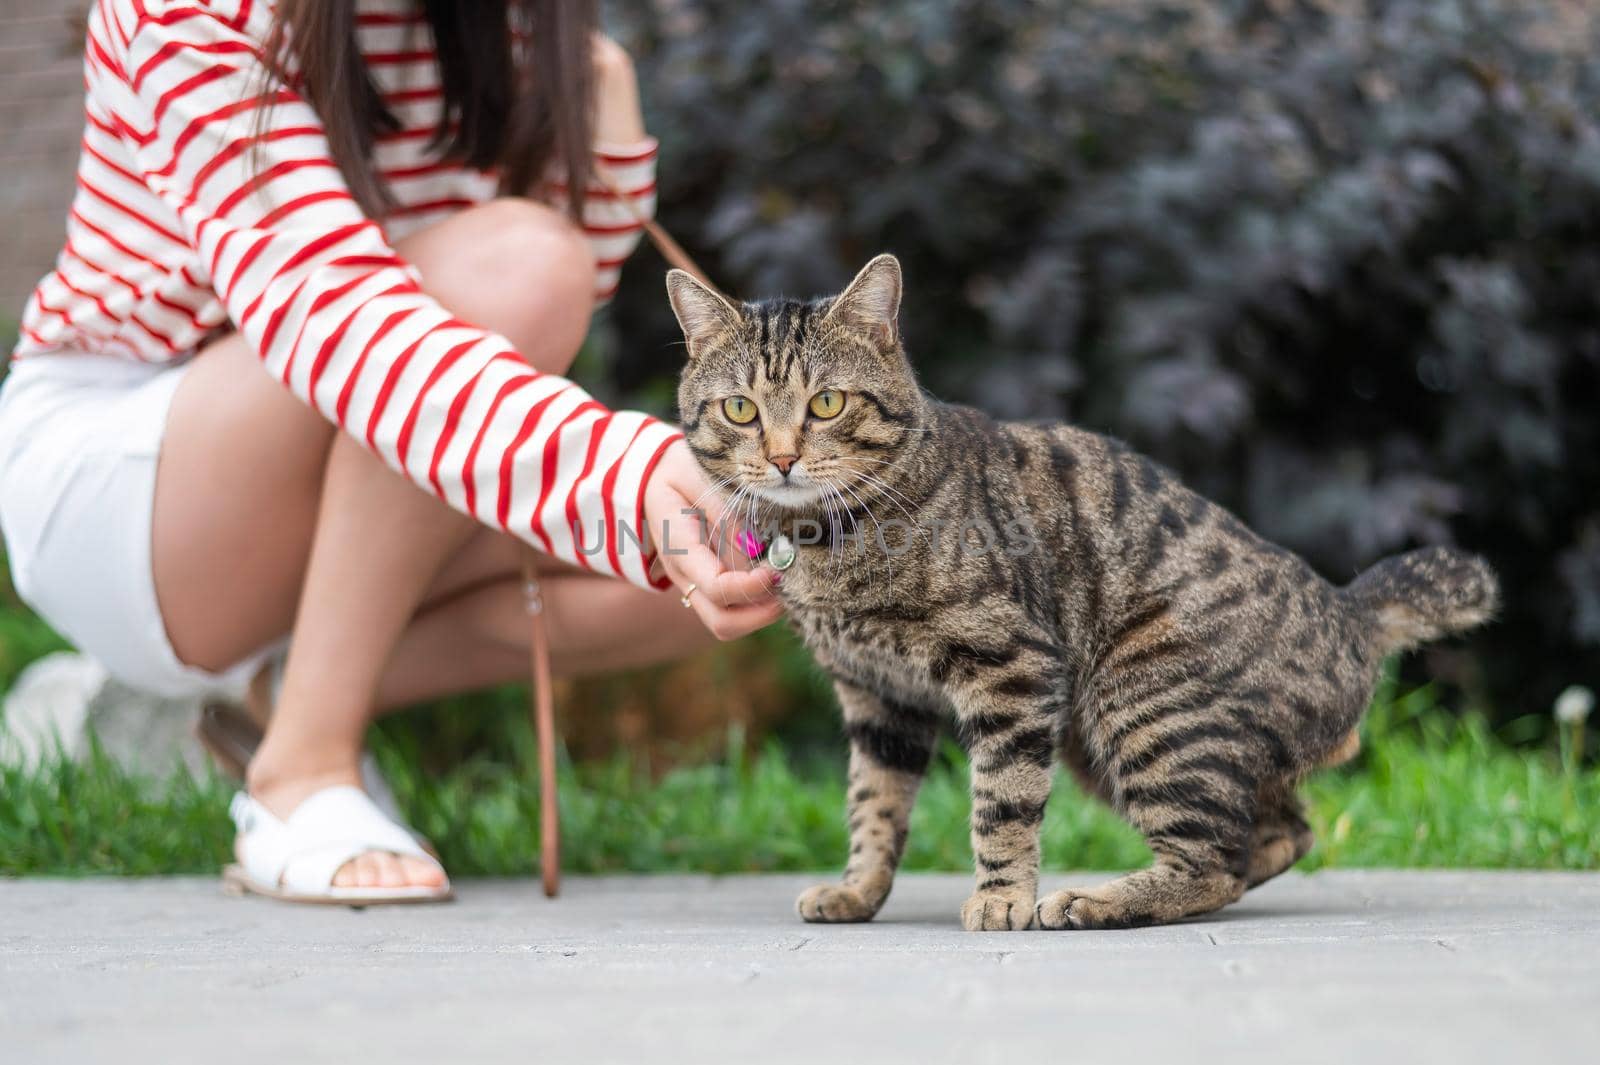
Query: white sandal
x=295, y=860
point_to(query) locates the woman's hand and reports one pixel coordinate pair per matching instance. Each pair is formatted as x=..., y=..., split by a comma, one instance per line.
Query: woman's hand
x=684, y=519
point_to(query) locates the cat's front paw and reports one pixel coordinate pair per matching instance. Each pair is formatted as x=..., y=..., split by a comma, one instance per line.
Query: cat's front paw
x=834, y=904
x=997, y=911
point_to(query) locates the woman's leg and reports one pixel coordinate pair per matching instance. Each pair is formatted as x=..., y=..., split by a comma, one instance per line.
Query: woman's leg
x=478, y=635
x=259, y=505
x=243, y=461
x=378, y=544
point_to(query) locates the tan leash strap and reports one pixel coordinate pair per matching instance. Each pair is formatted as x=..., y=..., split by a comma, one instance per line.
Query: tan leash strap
x=544, y=726
x=670, y=249
x=542, y=695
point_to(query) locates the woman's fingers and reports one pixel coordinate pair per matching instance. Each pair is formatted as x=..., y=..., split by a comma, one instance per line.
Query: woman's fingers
x=723, y=586
x=716, y=528
x=731, y=603
x=730, y=623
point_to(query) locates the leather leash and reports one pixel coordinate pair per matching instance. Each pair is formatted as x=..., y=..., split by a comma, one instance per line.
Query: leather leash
x=544, y=728
x=542, y=696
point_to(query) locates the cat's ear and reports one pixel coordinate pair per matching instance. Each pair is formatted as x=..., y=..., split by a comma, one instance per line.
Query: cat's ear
x=701, y=312
x=872, y=301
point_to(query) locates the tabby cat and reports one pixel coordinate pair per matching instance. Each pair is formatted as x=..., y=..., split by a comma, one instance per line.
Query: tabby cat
x=1058, y=595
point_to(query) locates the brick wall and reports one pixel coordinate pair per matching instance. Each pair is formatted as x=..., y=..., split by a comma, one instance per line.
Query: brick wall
x=41, y=121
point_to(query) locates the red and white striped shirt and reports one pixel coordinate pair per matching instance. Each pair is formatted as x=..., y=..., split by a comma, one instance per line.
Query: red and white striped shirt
x=185, y=223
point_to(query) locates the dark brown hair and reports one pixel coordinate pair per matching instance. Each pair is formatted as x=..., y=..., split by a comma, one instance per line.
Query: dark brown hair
x=517, y=77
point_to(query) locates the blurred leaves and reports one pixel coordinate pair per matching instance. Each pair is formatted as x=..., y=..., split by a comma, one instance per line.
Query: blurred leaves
x=1337, y=261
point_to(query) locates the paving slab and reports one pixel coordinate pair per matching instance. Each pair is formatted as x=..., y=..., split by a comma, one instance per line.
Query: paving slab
x=1453, y=967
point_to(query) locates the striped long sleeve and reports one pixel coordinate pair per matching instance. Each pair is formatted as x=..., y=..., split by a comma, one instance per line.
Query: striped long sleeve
x=335, y=313
x=622, y=192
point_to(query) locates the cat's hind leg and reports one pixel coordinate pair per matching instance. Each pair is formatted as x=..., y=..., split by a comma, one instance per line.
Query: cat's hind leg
x=1281, y=835
x=1185, y=779
x=890, y=744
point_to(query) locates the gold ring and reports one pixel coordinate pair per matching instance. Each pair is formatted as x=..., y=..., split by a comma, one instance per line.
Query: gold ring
x=687, y=593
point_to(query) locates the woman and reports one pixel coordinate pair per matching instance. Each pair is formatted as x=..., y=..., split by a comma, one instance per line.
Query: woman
x=296, y=374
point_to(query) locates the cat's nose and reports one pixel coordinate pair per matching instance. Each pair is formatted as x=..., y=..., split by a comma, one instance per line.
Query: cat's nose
x=784, y=462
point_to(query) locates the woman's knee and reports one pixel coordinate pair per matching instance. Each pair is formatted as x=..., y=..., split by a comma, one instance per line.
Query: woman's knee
x=517, y=267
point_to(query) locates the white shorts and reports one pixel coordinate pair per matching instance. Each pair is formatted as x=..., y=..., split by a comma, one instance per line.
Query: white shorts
x=80, y=436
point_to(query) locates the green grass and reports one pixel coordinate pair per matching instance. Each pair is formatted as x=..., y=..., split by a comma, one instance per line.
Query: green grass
x=1429, y=790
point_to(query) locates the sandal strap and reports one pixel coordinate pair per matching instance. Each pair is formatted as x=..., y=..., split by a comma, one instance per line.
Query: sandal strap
x=327, y=829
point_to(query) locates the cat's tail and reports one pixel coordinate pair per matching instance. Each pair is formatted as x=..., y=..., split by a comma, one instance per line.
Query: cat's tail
x=1423, y=595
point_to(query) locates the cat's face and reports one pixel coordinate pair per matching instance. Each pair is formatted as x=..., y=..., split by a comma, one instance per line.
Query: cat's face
x=798, y=405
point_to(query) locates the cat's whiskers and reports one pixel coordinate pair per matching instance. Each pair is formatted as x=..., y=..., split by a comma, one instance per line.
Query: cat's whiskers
x=890, y=491
x=719, y=486
x=891, y=463
x=892, y=494
x=752, y=520
x=835, y=553
x=883, y=542
x=836, y=532
x=842, y=507
x=747, y=517
x=869, y=458
x=718, y=531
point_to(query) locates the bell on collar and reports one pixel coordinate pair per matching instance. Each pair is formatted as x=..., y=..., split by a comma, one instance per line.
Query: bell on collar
x=781, y=552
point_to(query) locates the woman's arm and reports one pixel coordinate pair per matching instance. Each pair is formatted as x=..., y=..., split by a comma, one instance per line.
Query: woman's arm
x=619, y=114
x=335, y=314
x=623, y=189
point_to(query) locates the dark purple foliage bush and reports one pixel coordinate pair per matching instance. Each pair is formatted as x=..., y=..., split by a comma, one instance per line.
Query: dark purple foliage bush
x=1338, y=262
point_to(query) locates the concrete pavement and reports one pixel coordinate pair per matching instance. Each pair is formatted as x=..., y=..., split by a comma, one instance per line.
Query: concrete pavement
x=1345, y=966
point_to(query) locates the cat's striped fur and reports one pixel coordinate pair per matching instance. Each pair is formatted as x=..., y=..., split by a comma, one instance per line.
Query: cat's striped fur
x=1189, y=671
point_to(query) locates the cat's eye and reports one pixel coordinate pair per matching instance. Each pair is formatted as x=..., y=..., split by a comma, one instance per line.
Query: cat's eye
x=827, y=403
x=740, y=411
